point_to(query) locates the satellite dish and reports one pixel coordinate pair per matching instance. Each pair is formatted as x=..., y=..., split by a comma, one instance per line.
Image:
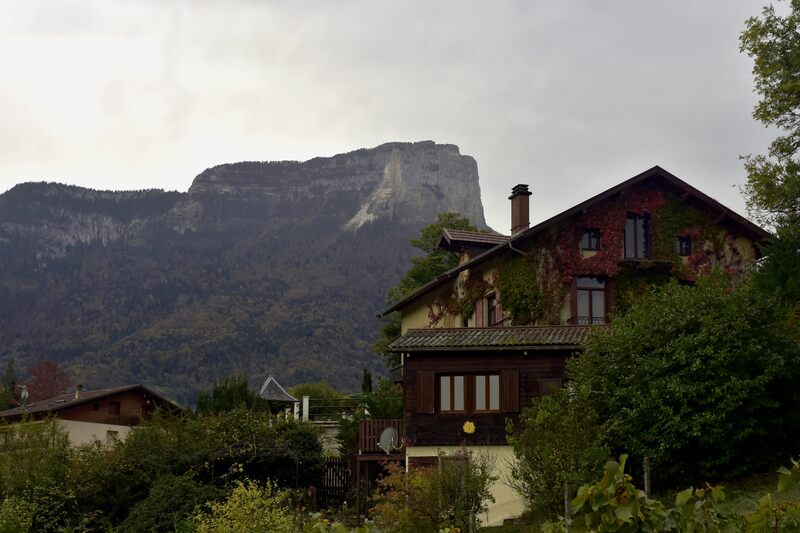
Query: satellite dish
x=388, y=440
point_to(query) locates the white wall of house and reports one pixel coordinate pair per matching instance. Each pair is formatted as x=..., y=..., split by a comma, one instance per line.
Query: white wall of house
x=508, y=502
x=88, y=432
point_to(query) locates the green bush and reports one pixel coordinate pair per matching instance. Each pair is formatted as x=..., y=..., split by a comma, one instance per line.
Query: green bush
x=171, y=500
x=558, y=439
x=249, y=508
x=704, y=380
x=16, y=515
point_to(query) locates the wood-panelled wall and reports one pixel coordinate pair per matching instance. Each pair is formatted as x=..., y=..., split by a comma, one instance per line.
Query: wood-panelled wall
x=520, y=377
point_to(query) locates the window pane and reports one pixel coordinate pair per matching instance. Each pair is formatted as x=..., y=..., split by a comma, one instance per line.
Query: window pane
x=629, y=234
x=458, y=389
x=480, y=393
x=583, y=305
x=585, y=241
x=598, y=307
x=445, y=393
x=640, y=238
x=494, y=393
x=590, y=283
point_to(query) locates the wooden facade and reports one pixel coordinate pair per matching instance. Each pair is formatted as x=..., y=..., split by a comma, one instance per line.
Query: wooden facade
x=126, y=408
x=523, y=374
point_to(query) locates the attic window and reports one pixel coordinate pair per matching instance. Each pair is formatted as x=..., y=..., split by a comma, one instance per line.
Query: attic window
x=683, y=246
x=590, y=239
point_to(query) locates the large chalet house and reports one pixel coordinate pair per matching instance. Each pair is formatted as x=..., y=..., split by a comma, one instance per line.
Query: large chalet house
x=484, y=339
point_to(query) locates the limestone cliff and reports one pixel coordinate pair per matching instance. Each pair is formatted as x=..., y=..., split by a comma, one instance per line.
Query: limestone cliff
x=261, y=266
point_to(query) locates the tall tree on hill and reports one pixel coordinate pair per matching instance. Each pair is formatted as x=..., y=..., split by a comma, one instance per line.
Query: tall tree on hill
x=423, y=269
x=46, y=380
x=7, y=385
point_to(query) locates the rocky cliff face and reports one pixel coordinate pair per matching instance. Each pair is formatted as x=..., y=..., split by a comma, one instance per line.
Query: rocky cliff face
x=266, y=267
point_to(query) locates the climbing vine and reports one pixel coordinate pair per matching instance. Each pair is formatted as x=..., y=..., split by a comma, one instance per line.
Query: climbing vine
x=532, y=287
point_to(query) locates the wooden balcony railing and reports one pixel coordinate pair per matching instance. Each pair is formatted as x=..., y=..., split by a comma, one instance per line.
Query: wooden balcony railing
x=369, y=434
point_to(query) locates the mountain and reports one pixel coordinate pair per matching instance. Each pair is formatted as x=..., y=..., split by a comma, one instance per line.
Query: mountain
x=269, y=267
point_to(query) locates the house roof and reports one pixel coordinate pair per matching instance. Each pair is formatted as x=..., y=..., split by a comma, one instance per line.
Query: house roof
x=455, y=238
x=522, y=337
x=68, y=399
x=272, y=391
x=656, y=173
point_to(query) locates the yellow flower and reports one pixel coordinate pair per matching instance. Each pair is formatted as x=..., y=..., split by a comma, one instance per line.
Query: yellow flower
x=469, y=427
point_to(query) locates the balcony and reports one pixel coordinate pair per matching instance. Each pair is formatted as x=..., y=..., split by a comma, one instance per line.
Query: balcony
x=369, y=434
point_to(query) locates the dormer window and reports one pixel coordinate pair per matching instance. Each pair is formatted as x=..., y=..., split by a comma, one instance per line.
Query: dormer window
x=590, y=240
x=637, y=236
x=683, y=246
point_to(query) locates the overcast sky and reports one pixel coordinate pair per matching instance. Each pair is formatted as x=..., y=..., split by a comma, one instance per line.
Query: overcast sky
x=570, y=97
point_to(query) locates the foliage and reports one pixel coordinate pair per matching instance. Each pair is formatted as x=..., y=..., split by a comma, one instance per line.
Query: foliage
x=427, y=267
x=46, y=380
x=228, y=394
x=531, y=289
x=701, y=379
x=34, y=453
x=435, y=498
x=249, y=508
x=773, y=180
x=171, y=500
x=366, y=382
x=558, y=440
x=8, y=384
x=319, y=524
x=319, y=391
x=16, y=515
x=423, y=269
x=778, y=274
x=385, y=403
x=615, y=504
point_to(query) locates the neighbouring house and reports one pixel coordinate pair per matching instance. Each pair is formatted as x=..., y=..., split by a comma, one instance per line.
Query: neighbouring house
x=103, y=414
x=484, y=339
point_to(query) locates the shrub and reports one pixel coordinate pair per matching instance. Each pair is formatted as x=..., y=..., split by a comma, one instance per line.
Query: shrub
x=701, y=379
x=171, y=499
x=434, y=498
x=558, y=440
x=33, y=453
x=249, y=508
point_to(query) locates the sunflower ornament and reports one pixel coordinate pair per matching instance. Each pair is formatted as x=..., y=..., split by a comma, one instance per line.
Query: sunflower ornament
x=469, y=427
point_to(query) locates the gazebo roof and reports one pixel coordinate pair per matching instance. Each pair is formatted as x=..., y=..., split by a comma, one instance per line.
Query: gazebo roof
x=272, y=391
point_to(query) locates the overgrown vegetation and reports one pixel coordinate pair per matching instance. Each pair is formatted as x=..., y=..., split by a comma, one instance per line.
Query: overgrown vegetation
x=615, y=504
x=702, y=379
x=431, y=499
x=558, y=439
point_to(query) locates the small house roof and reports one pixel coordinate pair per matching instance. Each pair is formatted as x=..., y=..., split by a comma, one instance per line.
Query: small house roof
x=69, y=399
x=454, y=239
x=272, y=391
x=494, y=338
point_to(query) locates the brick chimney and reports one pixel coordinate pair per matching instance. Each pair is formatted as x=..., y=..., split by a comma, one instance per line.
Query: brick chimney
x=520, y=214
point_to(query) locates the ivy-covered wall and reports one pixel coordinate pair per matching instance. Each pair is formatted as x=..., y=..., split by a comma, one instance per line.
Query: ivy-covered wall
x=533, y=287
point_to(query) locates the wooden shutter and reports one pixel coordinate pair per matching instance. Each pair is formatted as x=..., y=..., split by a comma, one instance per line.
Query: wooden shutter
x=509, y=391
x=425, y=392
x=479, y=313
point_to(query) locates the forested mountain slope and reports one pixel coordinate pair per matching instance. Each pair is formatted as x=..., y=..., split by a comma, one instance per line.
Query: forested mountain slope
x=267, y=267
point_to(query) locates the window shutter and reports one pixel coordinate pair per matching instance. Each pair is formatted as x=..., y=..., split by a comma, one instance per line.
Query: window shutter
x=479, y=313
x=509, y=391
x=425, y=393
